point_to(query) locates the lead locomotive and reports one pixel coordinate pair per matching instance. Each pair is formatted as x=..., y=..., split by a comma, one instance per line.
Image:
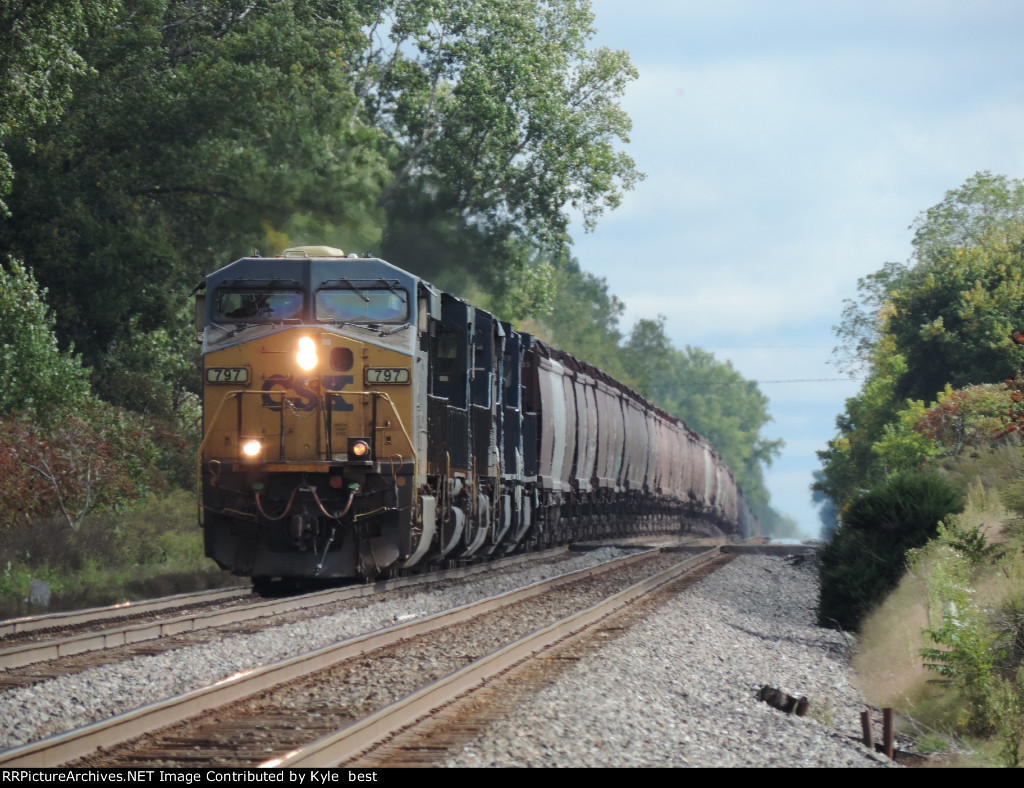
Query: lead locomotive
x=358, y=421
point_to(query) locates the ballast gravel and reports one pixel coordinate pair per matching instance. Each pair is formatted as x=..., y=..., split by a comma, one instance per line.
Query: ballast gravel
x=64, y=703
x=681, y=688
x=676, y=689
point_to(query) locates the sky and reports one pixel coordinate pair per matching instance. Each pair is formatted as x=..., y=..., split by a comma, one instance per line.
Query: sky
x=788, y=147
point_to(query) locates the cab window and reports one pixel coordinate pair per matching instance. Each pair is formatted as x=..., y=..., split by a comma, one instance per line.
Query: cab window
x=365, y=306
x=256, y=305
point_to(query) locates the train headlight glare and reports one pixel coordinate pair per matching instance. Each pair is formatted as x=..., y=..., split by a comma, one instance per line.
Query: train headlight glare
x=252, y=448
x=306, y=357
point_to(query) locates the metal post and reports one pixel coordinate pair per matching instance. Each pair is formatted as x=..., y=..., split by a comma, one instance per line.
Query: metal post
x=865, y=725
x=887, y=731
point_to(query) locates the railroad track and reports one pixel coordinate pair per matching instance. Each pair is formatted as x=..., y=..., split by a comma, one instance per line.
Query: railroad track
x=115, y=640
x=278, y=711
x=25, y=627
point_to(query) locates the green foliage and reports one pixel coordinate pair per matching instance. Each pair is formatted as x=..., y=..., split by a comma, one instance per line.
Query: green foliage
x=499, y=111
x=34, y=373
x=865, y=558
x=961, y=653
x=864, y=319
x=985, y=205
x=39, y=59
x=850, y=462
x=528, y=291
x=152, y=371
x=949, y=321
x=966, y=680
x=1008, y=625
x=1007, y=701
x=902, y=445
x=954, y=316
x=193, y=131
x=455, y=138
x=584, y=318
x=968, y=647
x=967, y=541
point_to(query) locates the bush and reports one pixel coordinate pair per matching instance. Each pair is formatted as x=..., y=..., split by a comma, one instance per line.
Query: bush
x=865, y=558
x=94, y=458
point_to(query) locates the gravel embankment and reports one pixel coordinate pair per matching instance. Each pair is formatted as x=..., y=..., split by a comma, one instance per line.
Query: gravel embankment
x=680, y=689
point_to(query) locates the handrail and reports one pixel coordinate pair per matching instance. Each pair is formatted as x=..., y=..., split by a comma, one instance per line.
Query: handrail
x=228, y=395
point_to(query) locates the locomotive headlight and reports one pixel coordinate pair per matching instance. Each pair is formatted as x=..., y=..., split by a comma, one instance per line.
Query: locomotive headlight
x=252, y=448
x=306, y=357
x=359, y=449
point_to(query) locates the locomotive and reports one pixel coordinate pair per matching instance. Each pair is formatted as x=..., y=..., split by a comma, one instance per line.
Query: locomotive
x=358, y=422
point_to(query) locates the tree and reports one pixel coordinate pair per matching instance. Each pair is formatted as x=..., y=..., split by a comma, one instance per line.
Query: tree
x=39, y=59
x=197, y=131
x=985, y=209
x=967, y=418
x=865, y=558
x=454, y=137
x=499, y=111
x=953, y=317
x=34, y=373
x=982, y=208
x=584, y=318
x=96, y=457
x=850, y=464
x=498, y=121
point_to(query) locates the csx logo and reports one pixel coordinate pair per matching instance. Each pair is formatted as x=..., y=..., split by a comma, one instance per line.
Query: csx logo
x=277, y=387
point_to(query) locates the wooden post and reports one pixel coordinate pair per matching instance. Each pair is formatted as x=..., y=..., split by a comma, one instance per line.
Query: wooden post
x=865, y=726
x=887, y=731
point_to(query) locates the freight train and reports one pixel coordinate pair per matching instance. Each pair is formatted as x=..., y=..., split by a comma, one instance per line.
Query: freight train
x=358, y=422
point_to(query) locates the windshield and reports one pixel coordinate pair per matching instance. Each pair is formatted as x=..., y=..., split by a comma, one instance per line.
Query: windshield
x=362, y=305
x=256, y=305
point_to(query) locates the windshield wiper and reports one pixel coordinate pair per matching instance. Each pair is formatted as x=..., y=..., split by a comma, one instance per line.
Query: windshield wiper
x=388, y=332
x=238, y=327
x=391, y=287
x=344, y=323
x=351, y=287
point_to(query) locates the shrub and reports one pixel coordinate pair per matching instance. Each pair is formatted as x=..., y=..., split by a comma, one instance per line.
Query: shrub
x=96, y=457
x=865, y=558
x=967, y=418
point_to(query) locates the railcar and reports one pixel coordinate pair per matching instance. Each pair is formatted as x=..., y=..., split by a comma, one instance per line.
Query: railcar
x=358, y=421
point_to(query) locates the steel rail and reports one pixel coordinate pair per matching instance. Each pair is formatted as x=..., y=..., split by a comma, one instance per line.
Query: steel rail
x=45, y=650
x=355, y=739
x=129, y=725
x=17, y=626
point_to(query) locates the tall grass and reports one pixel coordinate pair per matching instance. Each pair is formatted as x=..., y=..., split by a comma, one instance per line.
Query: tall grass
x=946, y=647
x=154, y=549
